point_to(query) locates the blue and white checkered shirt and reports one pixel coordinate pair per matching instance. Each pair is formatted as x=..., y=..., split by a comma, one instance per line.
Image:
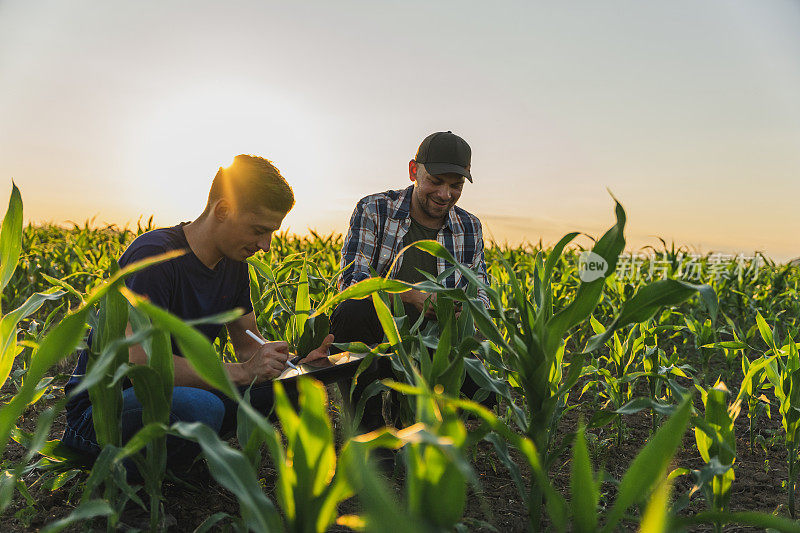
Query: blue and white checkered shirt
x=378, y=225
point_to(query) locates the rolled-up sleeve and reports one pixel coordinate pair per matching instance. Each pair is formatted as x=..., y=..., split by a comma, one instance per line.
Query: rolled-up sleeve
x=358, y=249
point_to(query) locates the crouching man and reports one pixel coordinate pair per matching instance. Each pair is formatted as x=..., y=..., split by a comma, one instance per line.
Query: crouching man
x=246, y=205
x=382, y=224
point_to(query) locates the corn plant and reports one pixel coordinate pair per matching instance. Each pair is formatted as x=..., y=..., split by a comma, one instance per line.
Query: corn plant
x=534, y=345
x=304, y=329
x=642, y=484
x=663, y=370
x=528, y=356
x=646, y=472
x=716, y=442
x=436, y=470
x=309, y=487
x=783, y=371
x=618, y=371
x=60, y=341
x=753, y=389
x=704, y=335
x=443, y=353
x=308, y=492
x=10, y=248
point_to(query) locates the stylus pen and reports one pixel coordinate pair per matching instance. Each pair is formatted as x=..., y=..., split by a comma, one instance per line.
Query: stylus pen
x=260, y=341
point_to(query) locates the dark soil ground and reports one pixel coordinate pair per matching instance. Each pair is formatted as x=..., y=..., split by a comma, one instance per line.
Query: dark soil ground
x=759, y=484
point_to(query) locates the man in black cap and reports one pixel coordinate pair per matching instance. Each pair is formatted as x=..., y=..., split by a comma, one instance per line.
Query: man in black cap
x=382, y=224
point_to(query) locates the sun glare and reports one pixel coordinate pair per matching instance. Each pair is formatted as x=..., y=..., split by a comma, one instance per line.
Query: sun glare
x=183, y=142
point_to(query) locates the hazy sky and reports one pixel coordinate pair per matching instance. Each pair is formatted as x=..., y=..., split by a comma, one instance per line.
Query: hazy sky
x=688, y=111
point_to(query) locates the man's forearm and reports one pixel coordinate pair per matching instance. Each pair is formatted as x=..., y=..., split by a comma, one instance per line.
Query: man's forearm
x=186, y=376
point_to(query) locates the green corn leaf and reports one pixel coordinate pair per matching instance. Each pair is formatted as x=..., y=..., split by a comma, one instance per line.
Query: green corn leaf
x=754, y=369
x=766, y=333
x=265, y=270
x=10, y=237
x=555, y=255
x=528, y=319
x=315, y=435
x=502, y=451
x=608, y=247
x=57, y=344
x=64, y=285
x=34, y=443
x=290, y=422
x=437, y=250
x=250, y=435
x=107, y=400
x=656, y=517
x=452, y=377
x=583, y=487
x=101, y=470
x=302, y=303
x=386, y=320
x=362, y=289
x=103, y=365
x=224, y=317
x=147, y=434
x=441, y=357
x=160, y=359
x=382, y=511
x=730, y=345
x=8, y=328
x=373, y=389
x=763, y=521
x=638, y=404
x=212, y=522
x=85, y=511
x=149, y=390
x=443, y=495
x=314, y=332
x=232, y=470
x=308, y=491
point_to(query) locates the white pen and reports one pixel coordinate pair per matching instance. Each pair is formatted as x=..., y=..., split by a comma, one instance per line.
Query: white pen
x=260, y=341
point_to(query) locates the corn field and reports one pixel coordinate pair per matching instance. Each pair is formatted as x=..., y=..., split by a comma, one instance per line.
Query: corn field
x=637, y=400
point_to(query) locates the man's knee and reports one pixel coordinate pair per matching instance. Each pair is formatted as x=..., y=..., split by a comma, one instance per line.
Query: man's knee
x=190, y=404
x=356, y=321
x=354, y=310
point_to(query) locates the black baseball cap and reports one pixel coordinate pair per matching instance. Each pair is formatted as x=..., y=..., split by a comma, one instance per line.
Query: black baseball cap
x=444, y=152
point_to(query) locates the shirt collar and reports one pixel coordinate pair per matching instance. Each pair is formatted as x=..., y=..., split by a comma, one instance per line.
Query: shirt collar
x=403, y=210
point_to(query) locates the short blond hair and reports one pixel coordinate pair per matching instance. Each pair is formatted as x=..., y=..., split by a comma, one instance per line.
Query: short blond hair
x=251, y=182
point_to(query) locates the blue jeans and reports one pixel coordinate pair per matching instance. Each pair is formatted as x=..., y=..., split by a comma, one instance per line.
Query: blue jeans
x=188, y=405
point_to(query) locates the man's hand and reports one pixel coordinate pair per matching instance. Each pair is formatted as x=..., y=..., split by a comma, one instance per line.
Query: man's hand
x=268, y=362
x=320, y=352
x=418, y=299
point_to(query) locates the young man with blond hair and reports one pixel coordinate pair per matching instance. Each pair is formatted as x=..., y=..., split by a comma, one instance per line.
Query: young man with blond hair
x=246, y=205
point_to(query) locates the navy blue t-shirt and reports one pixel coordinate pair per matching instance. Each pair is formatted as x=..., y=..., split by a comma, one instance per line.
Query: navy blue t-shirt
x=183, y=285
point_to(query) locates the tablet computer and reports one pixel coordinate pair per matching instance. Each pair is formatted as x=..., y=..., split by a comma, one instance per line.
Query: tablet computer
x=329, y=369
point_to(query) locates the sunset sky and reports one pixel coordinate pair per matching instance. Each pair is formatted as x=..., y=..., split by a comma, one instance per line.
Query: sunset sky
x=688, y=111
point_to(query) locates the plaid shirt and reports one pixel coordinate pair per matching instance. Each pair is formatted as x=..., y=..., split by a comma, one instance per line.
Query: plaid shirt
x=378, y=225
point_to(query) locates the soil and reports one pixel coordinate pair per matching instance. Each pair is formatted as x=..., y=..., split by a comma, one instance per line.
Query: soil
x=759, y=484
